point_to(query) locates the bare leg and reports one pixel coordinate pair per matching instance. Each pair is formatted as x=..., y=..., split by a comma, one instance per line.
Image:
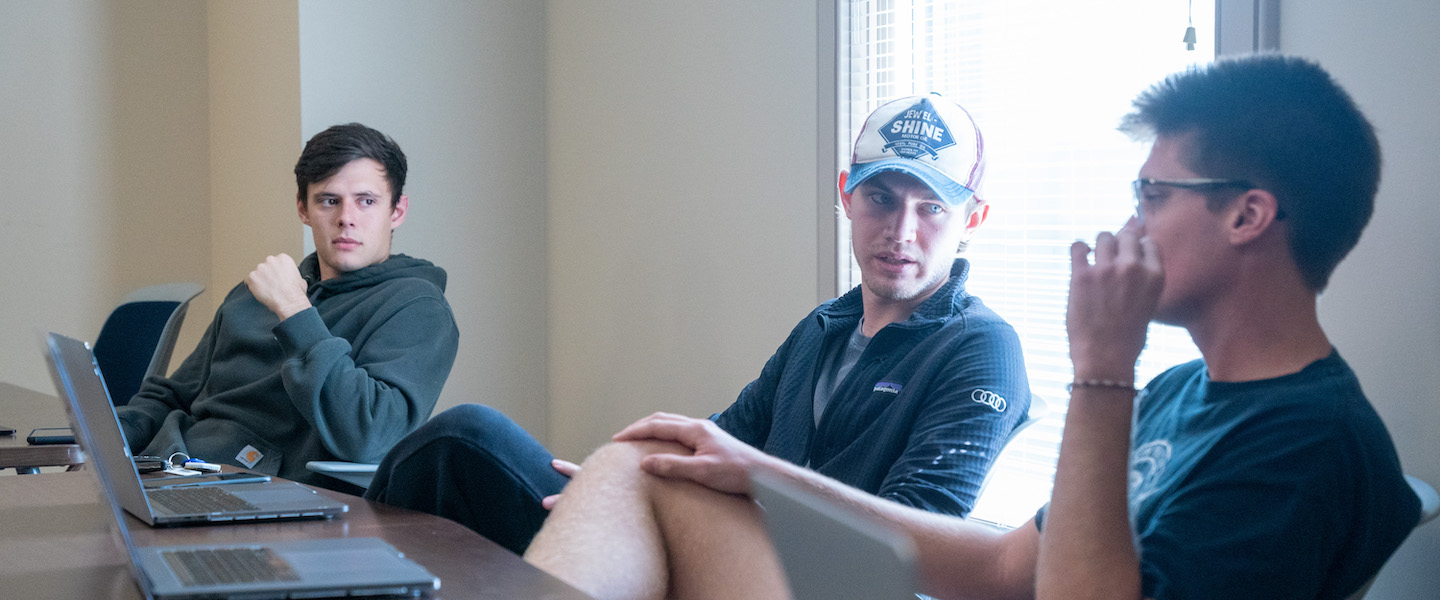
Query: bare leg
x=620, y=533
x=718, y=545
x=602, y=537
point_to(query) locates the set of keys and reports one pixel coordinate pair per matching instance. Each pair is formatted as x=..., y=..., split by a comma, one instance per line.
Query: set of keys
x=179, y=463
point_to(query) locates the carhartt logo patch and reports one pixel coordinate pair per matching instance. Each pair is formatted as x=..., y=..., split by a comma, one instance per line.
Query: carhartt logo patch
x=888, y=387
x=917, y=131
x=248, y=456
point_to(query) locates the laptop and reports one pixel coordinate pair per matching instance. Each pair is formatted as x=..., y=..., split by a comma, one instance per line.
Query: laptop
x=319, y=568
x=829, y=551
x=77, y=378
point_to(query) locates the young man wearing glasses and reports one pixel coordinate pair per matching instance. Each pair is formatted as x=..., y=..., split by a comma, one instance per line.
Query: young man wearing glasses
x=1260, y=471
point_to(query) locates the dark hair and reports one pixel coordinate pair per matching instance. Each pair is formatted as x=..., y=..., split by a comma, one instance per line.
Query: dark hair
x=1284, y=125
x=330, y=150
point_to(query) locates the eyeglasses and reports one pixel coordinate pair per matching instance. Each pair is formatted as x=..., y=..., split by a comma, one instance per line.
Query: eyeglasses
x=1200, y=184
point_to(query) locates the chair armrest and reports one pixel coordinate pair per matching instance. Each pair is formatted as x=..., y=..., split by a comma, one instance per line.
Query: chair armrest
x=358, y=474
x=1429, y=499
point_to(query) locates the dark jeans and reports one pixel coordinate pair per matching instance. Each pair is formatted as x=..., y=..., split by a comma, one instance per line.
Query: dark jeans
x=472, y=465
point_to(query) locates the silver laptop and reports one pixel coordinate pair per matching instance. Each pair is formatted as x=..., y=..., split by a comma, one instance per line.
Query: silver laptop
x=829, y=551
x=321, y=568
x=77, y=378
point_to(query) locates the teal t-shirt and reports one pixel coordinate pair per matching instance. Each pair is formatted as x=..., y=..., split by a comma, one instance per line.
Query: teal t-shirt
x=1280, y=488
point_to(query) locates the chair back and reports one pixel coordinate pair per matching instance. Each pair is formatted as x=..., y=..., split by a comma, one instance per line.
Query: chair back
x=357, y=474
x=1429, y=509
x=1039, y=409
x=1002, y=506
x=139, y=336
x=1429, y=500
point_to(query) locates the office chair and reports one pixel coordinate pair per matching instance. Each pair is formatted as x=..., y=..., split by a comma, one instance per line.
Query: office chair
x=357, y=474
x=139, y=336
x=1039, y=409
x=1429, y=509
x=1015, y=494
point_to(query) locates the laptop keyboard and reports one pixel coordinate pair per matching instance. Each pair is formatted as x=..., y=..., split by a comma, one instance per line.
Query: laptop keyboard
x=198, y=500
x=219, y=566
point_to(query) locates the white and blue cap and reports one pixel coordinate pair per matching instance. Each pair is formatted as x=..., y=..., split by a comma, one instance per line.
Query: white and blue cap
x=927, y=137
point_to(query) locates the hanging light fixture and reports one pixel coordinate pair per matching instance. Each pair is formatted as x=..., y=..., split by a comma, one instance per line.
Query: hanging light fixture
x=1190, y=31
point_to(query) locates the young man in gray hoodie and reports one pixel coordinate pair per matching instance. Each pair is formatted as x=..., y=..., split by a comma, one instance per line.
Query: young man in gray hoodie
x=334, y=359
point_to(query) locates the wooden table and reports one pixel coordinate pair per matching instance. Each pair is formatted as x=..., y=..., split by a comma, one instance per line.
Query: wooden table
x=55, y=542
x=24, y=410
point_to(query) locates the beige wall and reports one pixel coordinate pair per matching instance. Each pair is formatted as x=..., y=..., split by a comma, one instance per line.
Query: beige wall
x=1381, y=309
x=682, y=204
x=688, y=174
x=254, y=132
x=119, y=105
x=105, y=147
x=461, y=87
x=654, y=225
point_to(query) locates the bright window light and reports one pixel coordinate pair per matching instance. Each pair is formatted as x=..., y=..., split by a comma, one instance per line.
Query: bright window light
x=1047, y=81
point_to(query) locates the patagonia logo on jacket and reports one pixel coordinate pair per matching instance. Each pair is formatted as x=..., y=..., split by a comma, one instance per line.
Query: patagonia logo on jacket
x=888, y=387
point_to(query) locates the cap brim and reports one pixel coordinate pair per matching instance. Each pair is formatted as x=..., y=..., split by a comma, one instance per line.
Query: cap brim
x=944, y=187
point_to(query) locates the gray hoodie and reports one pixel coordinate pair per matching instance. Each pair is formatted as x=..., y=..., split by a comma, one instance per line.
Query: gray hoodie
x=343, y=380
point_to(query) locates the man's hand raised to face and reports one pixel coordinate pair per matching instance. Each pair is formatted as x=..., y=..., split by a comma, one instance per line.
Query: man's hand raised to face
x=1112, y=301
x=277, y=284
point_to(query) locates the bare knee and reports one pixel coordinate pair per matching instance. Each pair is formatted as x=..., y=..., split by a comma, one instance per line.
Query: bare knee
x=627, y=455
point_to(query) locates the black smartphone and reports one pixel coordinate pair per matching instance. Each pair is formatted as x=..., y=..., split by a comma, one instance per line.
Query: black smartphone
x=50, y=435
x=150, y=464
x=155, y=483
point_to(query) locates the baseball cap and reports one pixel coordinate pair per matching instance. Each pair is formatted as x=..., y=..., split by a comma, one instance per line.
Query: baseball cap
x=927, y=137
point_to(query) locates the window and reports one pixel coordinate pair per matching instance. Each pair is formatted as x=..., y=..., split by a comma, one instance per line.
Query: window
x=1047, y=81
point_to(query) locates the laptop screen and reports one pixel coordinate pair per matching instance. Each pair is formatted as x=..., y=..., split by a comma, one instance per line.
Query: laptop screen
x=828, y=551
x=73, y=368
x=325, y=567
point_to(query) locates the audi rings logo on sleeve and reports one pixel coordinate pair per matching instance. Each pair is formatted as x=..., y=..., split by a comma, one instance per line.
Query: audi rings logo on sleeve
x=989, y=398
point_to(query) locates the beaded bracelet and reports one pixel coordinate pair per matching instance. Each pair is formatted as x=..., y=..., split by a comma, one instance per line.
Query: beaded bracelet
x=1101, y=383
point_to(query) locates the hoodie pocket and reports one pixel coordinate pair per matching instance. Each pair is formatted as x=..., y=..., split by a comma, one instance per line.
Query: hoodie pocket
x=224, y=441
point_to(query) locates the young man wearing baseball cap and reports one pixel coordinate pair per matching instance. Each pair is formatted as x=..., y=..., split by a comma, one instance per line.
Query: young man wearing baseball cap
x=1260, y=471
x=906, y=387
